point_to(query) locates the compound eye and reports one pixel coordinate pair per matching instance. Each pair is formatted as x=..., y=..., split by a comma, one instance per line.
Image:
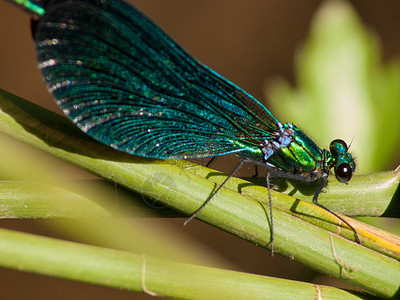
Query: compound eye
x=341, y=142
x=343, y=172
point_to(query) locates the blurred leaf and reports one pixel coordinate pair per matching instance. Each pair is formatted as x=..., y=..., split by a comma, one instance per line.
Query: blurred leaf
x=344, y=90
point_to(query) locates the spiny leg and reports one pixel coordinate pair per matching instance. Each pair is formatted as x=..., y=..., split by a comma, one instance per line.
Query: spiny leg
x=315, y=200
x=278, y=174
x=211, y=161
x=255, y=171
x=196, y=213
x=270, y=213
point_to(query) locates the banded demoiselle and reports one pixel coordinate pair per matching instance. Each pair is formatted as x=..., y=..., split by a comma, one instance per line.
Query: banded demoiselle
x=127, y=84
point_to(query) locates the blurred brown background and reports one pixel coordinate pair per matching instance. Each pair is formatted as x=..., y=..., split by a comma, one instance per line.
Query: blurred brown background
x=245, y=41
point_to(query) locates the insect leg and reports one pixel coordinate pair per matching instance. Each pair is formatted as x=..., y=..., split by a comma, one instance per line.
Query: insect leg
x=196, y=213
x=270, y=213
x=315, y=200
x=211, y=161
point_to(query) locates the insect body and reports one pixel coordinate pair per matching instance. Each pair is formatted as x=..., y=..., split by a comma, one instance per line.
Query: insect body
x=125, y=83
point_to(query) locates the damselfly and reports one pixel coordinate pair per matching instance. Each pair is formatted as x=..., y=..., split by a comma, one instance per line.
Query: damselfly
x=125, y=83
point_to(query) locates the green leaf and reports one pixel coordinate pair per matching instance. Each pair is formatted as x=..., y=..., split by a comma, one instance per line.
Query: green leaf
x=344, y=90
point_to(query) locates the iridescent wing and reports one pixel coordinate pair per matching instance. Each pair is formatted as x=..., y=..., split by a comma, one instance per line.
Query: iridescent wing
x=124, y=82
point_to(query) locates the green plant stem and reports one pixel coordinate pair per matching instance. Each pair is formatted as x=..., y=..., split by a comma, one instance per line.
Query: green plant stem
x=143, y=273
x=371, y=195
x=299, y=226
x=94, y=198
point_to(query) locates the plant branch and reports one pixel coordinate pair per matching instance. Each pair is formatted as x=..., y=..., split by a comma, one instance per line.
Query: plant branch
x=144, y=273
x=239, y=208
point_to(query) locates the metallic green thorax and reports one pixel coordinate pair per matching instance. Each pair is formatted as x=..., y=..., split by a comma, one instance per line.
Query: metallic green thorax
x=302, y=155
x=290, y=150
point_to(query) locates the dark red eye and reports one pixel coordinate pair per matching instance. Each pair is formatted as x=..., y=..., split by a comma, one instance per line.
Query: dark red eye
x=343, y=172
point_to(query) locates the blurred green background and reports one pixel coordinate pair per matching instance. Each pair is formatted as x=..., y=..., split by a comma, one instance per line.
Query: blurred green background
x=335, y=76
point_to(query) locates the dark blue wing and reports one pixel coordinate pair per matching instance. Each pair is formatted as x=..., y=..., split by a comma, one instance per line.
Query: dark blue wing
x=124, y=82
